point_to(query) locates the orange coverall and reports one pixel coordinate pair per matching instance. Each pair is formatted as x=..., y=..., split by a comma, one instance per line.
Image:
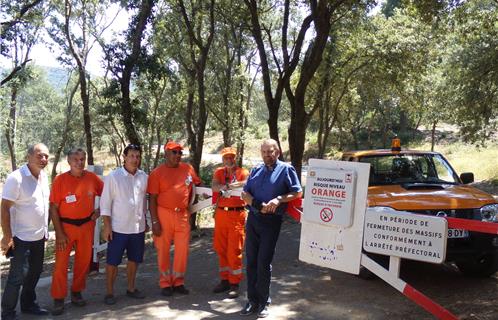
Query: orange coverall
x=75, y=198
x=173, y=187
x=229, y=233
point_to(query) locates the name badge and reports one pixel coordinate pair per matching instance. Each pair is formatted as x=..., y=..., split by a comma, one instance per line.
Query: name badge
x=70, y=198
x=189, y=180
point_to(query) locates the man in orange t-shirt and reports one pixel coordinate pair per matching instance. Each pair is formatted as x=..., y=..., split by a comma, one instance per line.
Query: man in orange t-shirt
x=230, y=218
x=170, y=187
x=72, y=212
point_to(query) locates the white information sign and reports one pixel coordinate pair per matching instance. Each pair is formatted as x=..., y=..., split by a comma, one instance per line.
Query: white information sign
x=335, y=246
x=329, y=196
x=405, y=235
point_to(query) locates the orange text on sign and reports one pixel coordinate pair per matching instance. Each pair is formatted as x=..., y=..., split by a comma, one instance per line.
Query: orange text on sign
x=328, y=193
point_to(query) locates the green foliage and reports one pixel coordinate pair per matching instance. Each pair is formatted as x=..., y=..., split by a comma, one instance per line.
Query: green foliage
x=418, y=64
x=206, y=173
x=472, y=77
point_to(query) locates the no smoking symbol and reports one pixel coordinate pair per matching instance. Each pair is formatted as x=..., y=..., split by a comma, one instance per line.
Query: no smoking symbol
x=326, y=214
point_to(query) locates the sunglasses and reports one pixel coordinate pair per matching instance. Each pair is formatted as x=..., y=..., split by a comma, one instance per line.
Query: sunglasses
x=177, y=152
x=132, y=146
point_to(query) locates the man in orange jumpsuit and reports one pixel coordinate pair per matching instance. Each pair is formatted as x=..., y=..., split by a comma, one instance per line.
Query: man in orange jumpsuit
x=170, y=188
x=230, y=217
x=72, y=212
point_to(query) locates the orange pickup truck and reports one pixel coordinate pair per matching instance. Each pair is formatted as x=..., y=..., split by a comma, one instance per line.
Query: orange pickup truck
x=425, y=183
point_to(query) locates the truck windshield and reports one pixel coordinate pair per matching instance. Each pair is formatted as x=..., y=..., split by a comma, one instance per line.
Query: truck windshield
x=409, y=168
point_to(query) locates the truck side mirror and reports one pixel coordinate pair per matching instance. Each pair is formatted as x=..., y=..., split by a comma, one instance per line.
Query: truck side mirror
x=467, y=177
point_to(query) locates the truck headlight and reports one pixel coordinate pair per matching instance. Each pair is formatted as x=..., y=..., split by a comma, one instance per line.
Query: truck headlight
x=489, y=213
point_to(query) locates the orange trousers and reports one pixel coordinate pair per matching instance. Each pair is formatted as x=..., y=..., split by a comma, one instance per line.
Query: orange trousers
x=228, y=242
x=175, y=228
x=81, y=238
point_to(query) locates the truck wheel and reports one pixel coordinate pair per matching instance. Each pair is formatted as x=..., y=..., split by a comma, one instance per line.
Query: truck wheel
x=483, y=266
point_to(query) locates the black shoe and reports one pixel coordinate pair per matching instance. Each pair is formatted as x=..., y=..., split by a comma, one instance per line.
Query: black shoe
x=263, y=312
x=223, y=286
x=249, y=309
x=35, y=310
x=9, y=316
x=58, y=308
x=77, y=299
x=234, y=291
x=181, y=289
x=109, y=299
x=136, y=294
x=167, y=291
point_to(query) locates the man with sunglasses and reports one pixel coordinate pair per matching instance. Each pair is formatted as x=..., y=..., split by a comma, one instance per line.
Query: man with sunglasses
x=170, y=187
x=230, y=218
x=123, y=207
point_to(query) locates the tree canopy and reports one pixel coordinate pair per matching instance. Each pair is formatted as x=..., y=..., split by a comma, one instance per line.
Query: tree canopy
x=318, y=76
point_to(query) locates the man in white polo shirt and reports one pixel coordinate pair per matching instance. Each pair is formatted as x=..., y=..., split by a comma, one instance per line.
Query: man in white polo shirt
x=123, y=208
x=24, y=216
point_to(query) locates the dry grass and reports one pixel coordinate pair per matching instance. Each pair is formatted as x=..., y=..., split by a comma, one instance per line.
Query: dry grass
x=468, y=158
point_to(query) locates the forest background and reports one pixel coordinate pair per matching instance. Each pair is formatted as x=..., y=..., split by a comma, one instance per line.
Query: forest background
x=318, y=76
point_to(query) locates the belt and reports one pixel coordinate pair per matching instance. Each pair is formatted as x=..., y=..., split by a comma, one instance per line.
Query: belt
x=76, y=222
x=232, y=208
x=176, y=209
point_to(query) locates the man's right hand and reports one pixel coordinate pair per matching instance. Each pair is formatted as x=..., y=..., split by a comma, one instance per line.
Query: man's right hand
x=6, y=243
x=107, y=233
x=61, y=241
x=156, y=229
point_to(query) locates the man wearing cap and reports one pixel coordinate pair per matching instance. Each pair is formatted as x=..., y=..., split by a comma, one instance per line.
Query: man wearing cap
x=230, y=217
x=24, y=217
x=123, y=206
x=73, y=213
x=170, y=187
x=269, y=188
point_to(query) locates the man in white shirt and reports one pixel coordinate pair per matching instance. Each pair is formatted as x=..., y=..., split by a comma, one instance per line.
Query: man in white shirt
x=24, y=217
x=123, y=208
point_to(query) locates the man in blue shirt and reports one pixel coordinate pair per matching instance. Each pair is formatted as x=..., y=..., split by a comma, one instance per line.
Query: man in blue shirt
x=268, y=189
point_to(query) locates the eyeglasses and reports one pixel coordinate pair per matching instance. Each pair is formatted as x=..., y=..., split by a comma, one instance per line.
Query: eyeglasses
x=176, y=152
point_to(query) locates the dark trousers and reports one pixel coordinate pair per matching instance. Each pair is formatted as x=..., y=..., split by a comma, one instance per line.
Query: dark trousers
x=25, y=269
x=262, y=233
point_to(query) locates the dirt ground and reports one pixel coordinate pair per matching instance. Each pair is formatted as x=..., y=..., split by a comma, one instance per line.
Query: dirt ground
x=299, y=290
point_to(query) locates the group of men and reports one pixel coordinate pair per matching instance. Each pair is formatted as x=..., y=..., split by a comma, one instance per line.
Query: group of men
x=73, y=205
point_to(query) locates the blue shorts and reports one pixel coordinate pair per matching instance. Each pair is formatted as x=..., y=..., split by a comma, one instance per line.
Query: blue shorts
x=133, y=243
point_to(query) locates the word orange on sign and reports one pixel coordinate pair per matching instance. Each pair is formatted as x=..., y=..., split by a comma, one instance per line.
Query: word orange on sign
x=328, y=193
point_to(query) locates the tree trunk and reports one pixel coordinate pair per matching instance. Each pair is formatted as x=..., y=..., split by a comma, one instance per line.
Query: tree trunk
x=87, y=122
x=272, y=100
x=273, y=123
x=10, y=130
x=321, y=15
x=80, y=62
x=131, y=61
x=65, y=131
x=433, y=135
x=201, y=121
x=297, y=139
x=199, y=54
x=159, y=144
